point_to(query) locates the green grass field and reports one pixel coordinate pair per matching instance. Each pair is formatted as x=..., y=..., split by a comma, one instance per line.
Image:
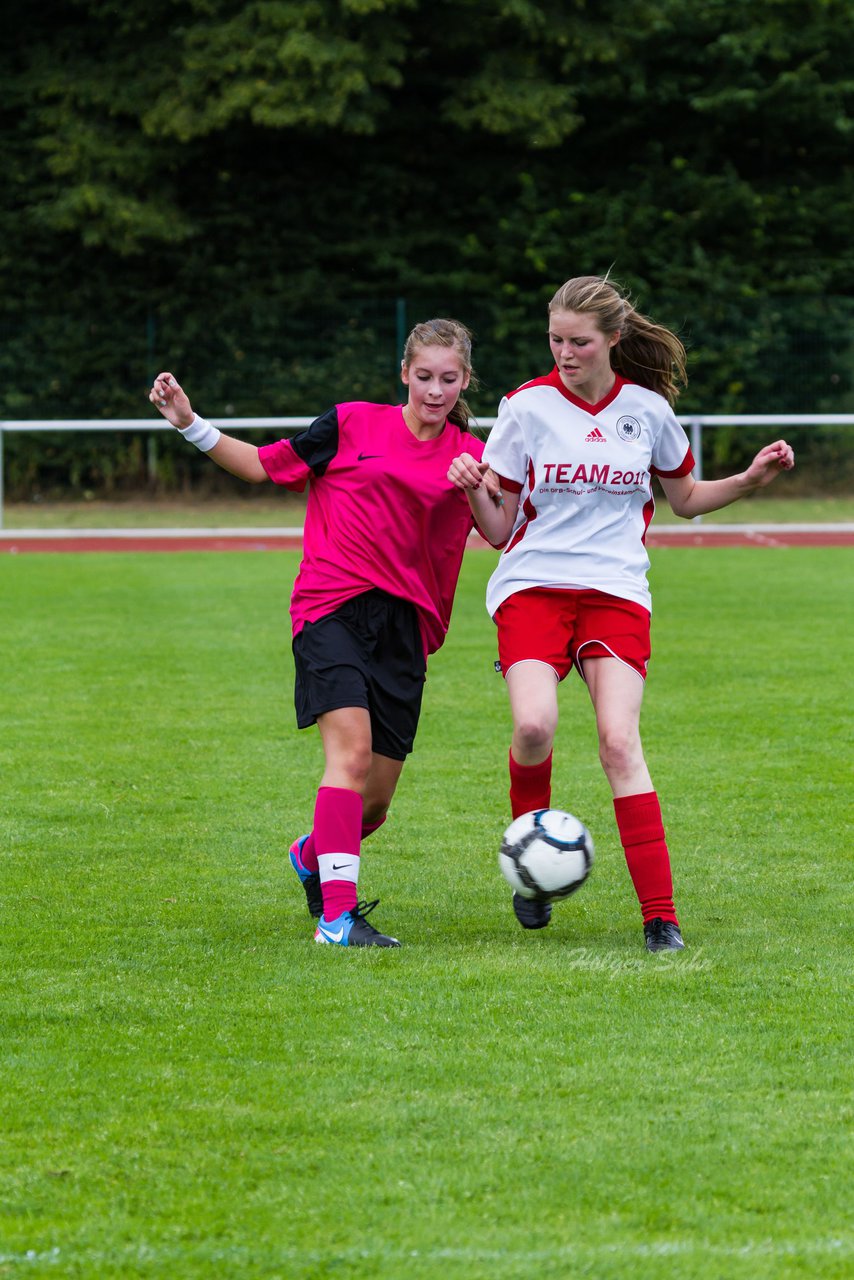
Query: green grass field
x=191, y=1088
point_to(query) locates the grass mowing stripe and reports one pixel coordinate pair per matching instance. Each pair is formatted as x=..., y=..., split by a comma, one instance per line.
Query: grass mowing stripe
x=192, y=1088
x=413, y=1261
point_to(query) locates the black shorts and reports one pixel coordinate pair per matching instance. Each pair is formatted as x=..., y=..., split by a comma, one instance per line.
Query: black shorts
x=368, y=653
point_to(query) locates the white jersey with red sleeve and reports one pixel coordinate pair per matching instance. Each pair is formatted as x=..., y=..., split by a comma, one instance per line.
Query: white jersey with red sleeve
x=381, y=512
x=584, y=477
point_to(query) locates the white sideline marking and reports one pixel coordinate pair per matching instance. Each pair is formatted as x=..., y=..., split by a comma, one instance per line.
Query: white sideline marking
x=690, y=528
x=759, y=532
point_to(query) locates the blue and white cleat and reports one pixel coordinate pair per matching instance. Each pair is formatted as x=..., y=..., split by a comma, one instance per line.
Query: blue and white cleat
x=352, y=929
x=310, y=880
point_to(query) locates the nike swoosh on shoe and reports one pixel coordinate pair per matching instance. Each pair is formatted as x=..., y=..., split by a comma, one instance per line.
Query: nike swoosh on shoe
x=329, y=935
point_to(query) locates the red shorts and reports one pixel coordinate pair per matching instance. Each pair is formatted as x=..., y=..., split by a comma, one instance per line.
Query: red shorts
x=563, y=627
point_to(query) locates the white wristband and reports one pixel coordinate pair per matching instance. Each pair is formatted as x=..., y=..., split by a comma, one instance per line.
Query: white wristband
x=201, y=434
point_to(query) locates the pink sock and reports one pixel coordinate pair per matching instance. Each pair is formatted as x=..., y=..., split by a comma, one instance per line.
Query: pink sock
x=337, y=828
x=308, y=853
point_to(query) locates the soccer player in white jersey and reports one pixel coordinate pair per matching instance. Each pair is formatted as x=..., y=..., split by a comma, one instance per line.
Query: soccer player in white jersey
x=383, y=542
x=574, y=453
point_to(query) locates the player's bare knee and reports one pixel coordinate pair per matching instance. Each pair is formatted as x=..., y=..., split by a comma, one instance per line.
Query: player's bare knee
x=355, y=765
x=533, y=735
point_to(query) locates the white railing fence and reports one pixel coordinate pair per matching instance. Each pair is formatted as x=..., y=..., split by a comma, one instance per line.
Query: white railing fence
x=694, y=424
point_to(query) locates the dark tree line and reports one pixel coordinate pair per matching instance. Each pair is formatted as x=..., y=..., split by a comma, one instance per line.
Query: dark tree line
x=264, y=195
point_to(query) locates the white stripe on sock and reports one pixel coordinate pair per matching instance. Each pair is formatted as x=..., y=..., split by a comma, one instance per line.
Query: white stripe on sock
x=338, y=866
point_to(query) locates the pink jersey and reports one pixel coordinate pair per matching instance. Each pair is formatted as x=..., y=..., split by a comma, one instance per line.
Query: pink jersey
x=381, y=512
x=584, y=477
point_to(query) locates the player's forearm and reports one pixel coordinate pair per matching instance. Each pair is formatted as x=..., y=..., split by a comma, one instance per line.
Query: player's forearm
x=711, y=495
x=236, y=456
x=495, y=520
x=240, y=458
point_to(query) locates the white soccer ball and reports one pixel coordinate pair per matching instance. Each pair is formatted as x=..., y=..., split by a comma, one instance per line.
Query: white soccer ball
x=546, y=854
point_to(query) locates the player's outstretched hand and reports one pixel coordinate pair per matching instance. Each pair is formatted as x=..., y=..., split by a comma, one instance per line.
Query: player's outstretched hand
x=171, y=400
x=769, y=462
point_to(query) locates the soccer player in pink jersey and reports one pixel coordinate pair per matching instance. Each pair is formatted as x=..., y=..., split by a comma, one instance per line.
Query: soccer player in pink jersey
x=574, y=453
x=383, y=543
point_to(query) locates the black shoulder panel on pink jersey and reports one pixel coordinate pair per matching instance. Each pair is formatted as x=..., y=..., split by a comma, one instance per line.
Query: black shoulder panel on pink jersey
x=318, y=444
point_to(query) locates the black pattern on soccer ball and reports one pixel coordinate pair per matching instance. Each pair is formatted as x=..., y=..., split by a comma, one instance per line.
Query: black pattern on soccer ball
x=516, y=850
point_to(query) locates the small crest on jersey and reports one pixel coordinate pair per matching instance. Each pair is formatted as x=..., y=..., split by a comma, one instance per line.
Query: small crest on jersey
x=628, y=428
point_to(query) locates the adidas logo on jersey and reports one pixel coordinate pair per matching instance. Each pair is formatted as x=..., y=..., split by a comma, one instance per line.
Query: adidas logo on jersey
x=595, y=437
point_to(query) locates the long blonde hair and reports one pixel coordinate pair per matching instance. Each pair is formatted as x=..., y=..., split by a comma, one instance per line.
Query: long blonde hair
x=646, y=353
x=445, y=333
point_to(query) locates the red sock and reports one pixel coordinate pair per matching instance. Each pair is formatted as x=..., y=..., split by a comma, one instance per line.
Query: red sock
x=337, y=827
x=368, y=828
x=642, y=835
x=530, y=785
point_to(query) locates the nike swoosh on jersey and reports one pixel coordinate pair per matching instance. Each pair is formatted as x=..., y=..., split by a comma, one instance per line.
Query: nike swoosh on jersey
x=363, y=457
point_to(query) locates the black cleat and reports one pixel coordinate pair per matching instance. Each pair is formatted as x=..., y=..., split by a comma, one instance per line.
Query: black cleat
x=662, y=935
x=532, y=913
